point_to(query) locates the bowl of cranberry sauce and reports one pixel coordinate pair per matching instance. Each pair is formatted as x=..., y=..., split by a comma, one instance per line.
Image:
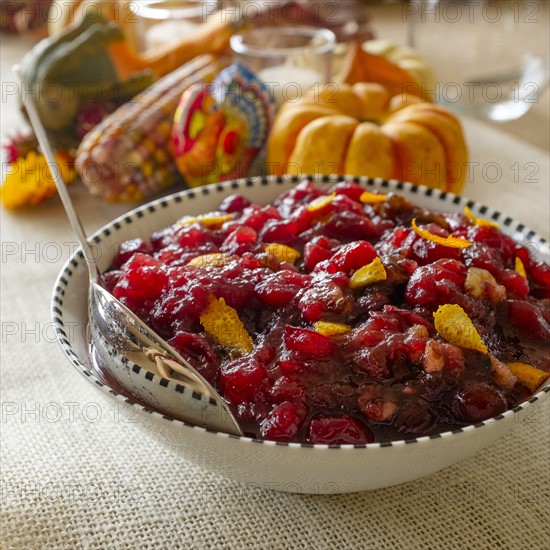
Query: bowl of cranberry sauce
x=341, y=315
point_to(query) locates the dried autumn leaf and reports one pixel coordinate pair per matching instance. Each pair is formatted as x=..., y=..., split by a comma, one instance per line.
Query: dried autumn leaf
x=520, y=268
x=527, y=375
x=210, y=220
x=453, y=324
x=211, y=260
x=479, y=221
x=222, y=323
x=320, y=202
x=370, y=198
x=283, y=252
x=28, y=181
x=368, y=274
x=331, y=329
x=452, y=242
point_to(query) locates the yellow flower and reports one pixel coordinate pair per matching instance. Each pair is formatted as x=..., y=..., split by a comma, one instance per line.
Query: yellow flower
x=29, y=181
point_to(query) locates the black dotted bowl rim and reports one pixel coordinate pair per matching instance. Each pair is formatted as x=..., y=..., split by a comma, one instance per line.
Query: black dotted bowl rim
x=77, y=260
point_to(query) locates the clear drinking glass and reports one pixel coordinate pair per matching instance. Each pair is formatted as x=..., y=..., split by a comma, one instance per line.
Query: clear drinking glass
x=165, y=21
x=290, y=60
x=490, y=56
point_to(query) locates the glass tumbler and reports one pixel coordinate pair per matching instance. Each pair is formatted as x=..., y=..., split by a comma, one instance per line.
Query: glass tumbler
x=290, y=60
x=164, y=21
x=490, y=56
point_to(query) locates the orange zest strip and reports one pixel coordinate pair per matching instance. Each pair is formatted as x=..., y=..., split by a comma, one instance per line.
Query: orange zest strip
x=451, y=242
x=520, y=268
x=479, y=221
x=453, y=324
x=320, y=202
x=527, y=375
x=369, y=198
x=331, y=329
x=222, y=323
x=283, y=252
x=368, y=274
x=211, y=220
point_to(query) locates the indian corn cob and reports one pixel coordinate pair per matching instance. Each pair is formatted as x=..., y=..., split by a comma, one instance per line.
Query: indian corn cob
x=127, y=156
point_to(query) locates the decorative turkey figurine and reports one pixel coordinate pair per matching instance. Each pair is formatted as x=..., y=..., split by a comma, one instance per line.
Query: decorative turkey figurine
x=221, y=128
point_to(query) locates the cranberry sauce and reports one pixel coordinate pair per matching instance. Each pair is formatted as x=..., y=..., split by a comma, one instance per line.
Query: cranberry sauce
x=338, y=357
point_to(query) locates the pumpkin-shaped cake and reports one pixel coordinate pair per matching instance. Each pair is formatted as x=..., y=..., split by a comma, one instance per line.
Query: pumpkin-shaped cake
x=362, y=130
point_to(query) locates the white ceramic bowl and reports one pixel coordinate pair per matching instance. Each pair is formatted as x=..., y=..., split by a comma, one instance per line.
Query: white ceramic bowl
x=292, y=467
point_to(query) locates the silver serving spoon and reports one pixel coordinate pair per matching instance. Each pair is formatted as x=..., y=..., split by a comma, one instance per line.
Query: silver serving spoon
x=122, y=341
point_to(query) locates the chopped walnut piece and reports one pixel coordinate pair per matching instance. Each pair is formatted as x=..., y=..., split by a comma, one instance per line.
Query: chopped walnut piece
x=439, y=356
x=376, y=404
x=502, y=374
x=481, y=284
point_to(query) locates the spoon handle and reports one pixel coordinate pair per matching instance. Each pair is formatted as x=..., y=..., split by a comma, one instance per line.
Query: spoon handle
x=47, y=150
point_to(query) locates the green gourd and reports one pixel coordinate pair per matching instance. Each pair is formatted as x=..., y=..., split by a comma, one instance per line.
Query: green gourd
x=66, y=71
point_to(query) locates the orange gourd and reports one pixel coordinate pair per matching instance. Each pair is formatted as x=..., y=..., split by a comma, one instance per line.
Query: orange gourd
x=364, y=130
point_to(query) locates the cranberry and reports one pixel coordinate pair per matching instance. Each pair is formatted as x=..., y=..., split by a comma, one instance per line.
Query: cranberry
x=110, y=279
x=351, y=226
x=437, y=283
x=493, y=238
x=538, y=271
x=302, y=194
x=353, y=256
x=338, y=430
x=373, y=361
x=197, y=350
x=141, y=279
x=192, y=236
x=325, y=297
x=477, y=401
x=349, y=189
x=342, y=203
x=265, y=353
x=184, y=301
x=275, y=231
x=162, y=238
x=232, y=284
x=515, y=283
x=288, y=365
x=284, y=421
x=319, y=249
x=129, y=248
x=426, y=252
x=303, y=218
x=307, y=343
x=483, y=256
x=234, y=203
x=395, y=320
x=250, y=261
x=279, y=289
x=242, y=380
x=527, y=319
x=286, y=389
x=243, y=239
x=392, y=241
x=256, y=217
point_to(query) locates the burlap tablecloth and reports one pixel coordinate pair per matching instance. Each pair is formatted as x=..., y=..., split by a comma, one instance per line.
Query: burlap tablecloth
x=77, y=473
